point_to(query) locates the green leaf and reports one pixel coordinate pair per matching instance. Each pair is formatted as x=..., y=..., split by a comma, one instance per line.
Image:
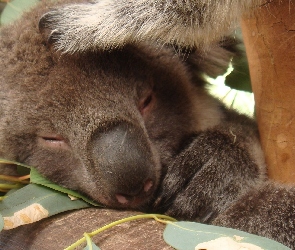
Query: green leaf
x=34, y=202
x=90, y=244
x=40, y=199
x=239, y=78
x=240, y=100
x=92, y=247
x=4, y=161
x=187, y=235
x=1, y=222
x=14, y=9
x=37, y=178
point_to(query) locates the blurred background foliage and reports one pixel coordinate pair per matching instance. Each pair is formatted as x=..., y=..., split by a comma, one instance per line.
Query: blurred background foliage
x=233, y=88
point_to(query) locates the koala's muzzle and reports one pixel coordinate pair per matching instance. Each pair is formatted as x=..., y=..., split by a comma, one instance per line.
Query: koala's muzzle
x=123, y=157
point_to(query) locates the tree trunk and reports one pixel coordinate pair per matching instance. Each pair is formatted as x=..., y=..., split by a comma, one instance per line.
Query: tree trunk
x=269, y=36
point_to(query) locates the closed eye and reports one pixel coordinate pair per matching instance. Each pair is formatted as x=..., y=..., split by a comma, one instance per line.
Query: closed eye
x=53, y=141
x=146, y=103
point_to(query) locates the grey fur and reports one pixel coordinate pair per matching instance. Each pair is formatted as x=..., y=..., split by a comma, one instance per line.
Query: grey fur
x=134, y=129
x=107, y=24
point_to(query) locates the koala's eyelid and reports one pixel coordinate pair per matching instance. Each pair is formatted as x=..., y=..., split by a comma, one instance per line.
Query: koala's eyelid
x=53, y=141
x=145, y=102
x=51, y=136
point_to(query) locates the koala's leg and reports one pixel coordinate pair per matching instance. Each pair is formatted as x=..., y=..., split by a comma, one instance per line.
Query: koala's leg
x=267, y=210
x=60, y=231
x=208, y=176
x=105, y=24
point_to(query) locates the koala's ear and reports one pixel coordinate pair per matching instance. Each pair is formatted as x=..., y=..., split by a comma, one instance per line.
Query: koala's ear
x=214, y=61
x=48, y=34
x=49, y=37
x=49, y=42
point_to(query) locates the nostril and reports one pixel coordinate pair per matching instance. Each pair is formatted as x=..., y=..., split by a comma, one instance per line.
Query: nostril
x=127, y=198
x=148, y=185
x=123, y=199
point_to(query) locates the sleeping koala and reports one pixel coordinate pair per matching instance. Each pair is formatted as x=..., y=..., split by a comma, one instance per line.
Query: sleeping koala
x=133, y=129
x=107, y=24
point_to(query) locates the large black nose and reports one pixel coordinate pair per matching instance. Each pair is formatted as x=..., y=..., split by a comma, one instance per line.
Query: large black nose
x=123, y=155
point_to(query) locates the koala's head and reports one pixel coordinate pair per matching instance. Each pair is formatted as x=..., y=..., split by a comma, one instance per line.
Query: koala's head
x=101, y=123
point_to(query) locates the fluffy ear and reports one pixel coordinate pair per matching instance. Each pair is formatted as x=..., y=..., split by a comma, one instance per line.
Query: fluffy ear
x=214, y=61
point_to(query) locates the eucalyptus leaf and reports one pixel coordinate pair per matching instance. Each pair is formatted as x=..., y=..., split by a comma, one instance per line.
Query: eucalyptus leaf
x=34, y=202
x=1, y=222
x=2, y=6
x=14, y=9
x=187, y=235
x=91, y=246
x=9, y=162
x=239, y=78
x=37, y=178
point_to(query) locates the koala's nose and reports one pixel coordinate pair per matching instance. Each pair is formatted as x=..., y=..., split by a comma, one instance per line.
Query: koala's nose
x=124, y=158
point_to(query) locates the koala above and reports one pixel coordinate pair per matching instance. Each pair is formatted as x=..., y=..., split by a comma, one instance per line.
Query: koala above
x=107, y=24
x=134, y=128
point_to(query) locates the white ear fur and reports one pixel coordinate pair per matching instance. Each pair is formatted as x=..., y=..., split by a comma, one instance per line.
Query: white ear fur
x=106, y=24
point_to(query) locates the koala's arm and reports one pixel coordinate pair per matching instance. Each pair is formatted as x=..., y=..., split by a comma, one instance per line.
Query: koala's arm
x=106, y=24
x=267, y=210
x=210, y=174
x=220, y=179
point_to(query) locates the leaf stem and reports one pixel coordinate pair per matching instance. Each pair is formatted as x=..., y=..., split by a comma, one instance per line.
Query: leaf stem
x=24, y=177
x=10, y=186
x=88, y=240
x=2, y=198
x=158, y=217
x=4, y=161
x=20, y=179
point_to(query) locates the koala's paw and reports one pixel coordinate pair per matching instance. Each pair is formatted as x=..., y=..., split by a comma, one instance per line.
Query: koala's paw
x=169, y=189
x=176, y=184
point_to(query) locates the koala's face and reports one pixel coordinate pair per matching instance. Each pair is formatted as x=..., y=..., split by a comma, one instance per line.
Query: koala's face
x=103, y=124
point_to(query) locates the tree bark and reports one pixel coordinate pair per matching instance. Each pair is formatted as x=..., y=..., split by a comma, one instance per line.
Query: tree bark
x=269, y=36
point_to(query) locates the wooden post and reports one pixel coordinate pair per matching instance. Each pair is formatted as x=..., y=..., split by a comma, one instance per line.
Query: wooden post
x=269, y=36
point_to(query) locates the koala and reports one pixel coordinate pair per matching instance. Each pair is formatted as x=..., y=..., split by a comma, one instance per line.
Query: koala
x=108, y=24
x=133, y=129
